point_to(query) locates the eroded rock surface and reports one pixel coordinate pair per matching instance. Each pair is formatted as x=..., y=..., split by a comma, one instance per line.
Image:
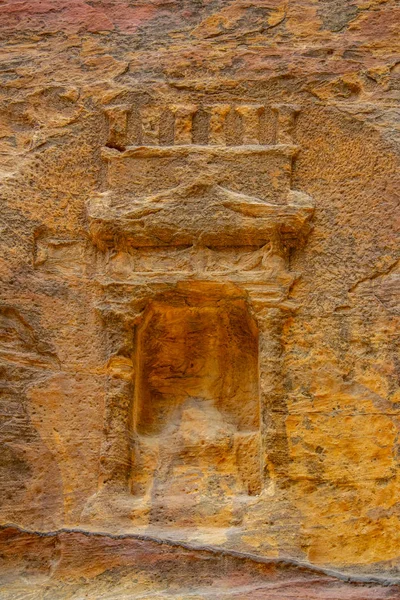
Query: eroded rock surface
x=199, y=312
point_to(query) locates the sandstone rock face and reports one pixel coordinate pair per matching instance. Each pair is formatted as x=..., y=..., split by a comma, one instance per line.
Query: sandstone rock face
x=200, y=299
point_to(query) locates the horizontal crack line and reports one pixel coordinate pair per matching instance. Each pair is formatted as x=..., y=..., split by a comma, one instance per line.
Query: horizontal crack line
x=223, y=552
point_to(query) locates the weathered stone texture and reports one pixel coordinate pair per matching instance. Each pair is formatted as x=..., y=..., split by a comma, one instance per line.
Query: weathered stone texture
x=200, y=299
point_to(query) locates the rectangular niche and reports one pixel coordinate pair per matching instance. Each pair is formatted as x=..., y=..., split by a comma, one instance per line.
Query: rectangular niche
x=196, y=410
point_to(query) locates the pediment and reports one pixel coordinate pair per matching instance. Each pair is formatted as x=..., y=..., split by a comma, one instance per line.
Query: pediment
x=200, y=213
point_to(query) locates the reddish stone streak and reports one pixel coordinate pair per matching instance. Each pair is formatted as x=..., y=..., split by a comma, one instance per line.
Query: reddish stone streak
x=69, y=557
x=72, y=16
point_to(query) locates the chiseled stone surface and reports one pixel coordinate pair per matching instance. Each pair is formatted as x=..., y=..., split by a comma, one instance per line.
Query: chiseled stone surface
x=200, y=299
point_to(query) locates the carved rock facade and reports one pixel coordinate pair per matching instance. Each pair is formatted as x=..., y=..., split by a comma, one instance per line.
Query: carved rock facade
x=194, y=291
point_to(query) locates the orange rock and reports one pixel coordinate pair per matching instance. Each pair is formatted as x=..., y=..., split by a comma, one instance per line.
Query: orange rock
x=199, y=307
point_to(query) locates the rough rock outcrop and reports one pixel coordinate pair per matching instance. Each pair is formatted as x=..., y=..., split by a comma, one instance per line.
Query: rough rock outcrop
x=200, y=299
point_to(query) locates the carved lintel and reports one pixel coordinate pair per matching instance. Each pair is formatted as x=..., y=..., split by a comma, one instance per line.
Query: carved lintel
x=209, y=152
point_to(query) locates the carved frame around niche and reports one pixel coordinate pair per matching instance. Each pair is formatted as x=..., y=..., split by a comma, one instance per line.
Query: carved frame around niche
x=193, y=227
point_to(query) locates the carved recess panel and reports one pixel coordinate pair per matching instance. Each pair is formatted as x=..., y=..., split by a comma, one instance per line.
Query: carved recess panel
x=193, y=233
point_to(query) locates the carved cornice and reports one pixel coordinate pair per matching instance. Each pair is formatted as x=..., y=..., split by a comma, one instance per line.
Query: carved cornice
x=200, y=213
x=182, y=150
